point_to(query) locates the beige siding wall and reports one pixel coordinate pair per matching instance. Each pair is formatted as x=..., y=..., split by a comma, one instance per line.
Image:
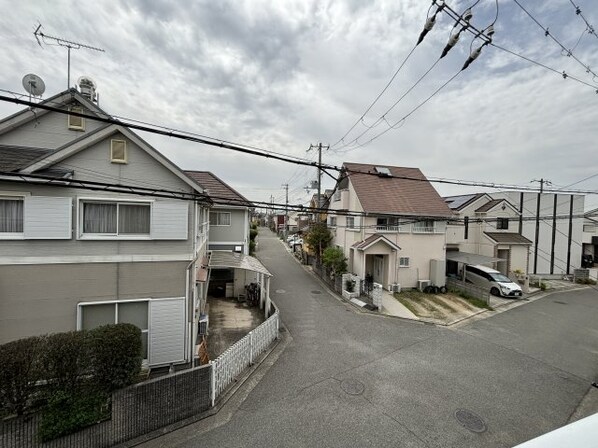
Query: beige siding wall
x=43, y=298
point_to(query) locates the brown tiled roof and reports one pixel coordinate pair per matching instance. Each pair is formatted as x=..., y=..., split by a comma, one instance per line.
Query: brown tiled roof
x=361, y=245
x=218, y=191
x=508, y=238
x=413, y=196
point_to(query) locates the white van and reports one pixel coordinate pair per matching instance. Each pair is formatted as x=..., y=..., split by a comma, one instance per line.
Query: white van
x=487, y=278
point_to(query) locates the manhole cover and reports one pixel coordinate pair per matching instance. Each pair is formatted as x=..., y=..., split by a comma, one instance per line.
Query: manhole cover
x=559, y=302
x=470, y=421
x=280, y=291
x=352, y=387
x=316, y=291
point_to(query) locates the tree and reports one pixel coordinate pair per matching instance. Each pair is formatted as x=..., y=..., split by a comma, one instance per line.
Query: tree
x=335, y=260
x=318, y=238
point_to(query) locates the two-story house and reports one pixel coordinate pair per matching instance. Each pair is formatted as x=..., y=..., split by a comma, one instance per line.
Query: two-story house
x=486, y=233
x=75, y=257
x=391, y=223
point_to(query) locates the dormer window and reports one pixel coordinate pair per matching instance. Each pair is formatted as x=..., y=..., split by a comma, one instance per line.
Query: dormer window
x=118, y=151
x=76, y=123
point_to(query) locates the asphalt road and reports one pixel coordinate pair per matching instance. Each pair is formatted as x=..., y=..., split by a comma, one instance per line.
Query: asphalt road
x=353, y=379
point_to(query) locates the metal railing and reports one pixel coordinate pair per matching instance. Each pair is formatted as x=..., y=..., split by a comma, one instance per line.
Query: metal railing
x=230, y=364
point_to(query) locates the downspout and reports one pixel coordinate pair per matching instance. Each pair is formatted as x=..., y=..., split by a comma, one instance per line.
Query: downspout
x=189, y=308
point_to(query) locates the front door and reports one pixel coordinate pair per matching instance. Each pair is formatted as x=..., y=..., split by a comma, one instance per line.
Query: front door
x=379, y=269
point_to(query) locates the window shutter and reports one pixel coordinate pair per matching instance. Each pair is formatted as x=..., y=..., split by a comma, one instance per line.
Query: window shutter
x=47, y=218
x=169, y=220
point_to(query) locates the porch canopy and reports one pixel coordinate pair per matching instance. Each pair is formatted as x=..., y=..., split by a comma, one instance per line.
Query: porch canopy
x=221, y=259
x=467, y=258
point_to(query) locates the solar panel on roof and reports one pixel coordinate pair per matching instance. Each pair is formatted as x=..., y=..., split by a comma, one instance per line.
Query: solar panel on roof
x=383, y=170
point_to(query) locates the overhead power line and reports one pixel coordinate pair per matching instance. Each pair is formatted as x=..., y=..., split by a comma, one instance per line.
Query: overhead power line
x=276, y=156
x=220, y=200
x=589, y=28
x=547, y=33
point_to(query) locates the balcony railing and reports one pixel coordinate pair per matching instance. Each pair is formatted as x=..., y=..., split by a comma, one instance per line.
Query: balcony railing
x=387, y=228
x=427, y=229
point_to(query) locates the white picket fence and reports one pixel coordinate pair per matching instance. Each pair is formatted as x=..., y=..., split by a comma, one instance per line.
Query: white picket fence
x=230, y=364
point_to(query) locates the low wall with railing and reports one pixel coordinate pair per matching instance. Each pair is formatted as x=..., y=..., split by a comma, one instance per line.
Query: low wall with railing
x=145, y=407
x=230, y=364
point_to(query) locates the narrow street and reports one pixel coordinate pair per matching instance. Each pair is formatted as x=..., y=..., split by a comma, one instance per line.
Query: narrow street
x=352, y=379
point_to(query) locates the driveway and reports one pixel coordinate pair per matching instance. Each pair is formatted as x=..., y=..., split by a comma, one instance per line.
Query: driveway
x=353, y=379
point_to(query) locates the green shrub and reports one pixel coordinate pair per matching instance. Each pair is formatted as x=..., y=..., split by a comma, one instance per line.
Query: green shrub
x=19, y=371
x=251, y=247
x=116, y=355
x=68, y=412
x=253, y=234
x=65, y=359
x=334, y=259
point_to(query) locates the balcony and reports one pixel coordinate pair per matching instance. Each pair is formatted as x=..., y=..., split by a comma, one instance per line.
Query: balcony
x=387, y=228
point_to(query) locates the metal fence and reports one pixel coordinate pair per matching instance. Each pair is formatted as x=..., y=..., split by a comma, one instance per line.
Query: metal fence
x=468, y=288
x=154, y=404
x=136, y=410
x=230, y=364
x=336, y=284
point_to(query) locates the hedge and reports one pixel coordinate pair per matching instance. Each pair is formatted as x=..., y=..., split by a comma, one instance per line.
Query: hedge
x=19, y=371
x=116, y=355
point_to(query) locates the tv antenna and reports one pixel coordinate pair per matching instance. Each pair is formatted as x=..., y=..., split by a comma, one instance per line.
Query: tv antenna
x=40, y=36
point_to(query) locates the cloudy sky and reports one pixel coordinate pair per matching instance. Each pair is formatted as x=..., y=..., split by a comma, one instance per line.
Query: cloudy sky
x=280, y=75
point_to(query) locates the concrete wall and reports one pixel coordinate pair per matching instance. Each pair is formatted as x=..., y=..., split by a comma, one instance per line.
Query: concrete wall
x=50, y=130
x=38, y=299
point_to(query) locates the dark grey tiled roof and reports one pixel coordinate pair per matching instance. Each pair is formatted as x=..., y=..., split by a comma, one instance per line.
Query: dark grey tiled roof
x=508, y=238
x=14, y=158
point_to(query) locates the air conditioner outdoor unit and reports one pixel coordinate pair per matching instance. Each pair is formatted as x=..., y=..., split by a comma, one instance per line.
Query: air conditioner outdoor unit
x=421, y=284
x=203, y=325
x=395, y=287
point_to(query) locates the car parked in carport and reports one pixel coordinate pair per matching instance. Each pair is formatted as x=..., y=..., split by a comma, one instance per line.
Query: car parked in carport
x=498, y=284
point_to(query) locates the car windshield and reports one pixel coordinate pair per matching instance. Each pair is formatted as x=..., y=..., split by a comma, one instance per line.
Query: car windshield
x=501, y=278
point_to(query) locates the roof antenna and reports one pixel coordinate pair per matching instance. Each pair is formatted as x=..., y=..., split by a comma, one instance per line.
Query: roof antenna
x=63, y=43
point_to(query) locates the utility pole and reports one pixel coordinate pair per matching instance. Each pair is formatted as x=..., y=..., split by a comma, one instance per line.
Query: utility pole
x=63, y=43
x=319, y=147
x=286, y=210
x=537, y=238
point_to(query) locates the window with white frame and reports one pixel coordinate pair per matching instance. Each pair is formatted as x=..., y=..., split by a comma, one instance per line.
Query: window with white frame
x=115, y=218
x=219, y=218
x=423, y=226
x=11, y=215
x=93, y=315
x=403, y=262
x=332, y=221
x=350, y=222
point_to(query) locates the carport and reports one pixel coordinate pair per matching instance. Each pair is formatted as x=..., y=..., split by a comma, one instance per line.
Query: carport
x=460, y=259
x=247, y=269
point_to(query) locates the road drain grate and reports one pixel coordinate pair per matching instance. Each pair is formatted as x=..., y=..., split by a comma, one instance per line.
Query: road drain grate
x=316, y=291
x=559, y=302
x=470, y=421
x=352, y=387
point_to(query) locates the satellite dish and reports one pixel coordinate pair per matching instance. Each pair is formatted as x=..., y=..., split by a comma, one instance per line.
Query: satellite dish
x=34, y=84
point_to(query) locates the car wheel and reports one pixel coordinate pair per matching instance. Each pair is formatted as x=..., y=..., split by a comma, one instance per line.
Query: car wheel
x=495, y=292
